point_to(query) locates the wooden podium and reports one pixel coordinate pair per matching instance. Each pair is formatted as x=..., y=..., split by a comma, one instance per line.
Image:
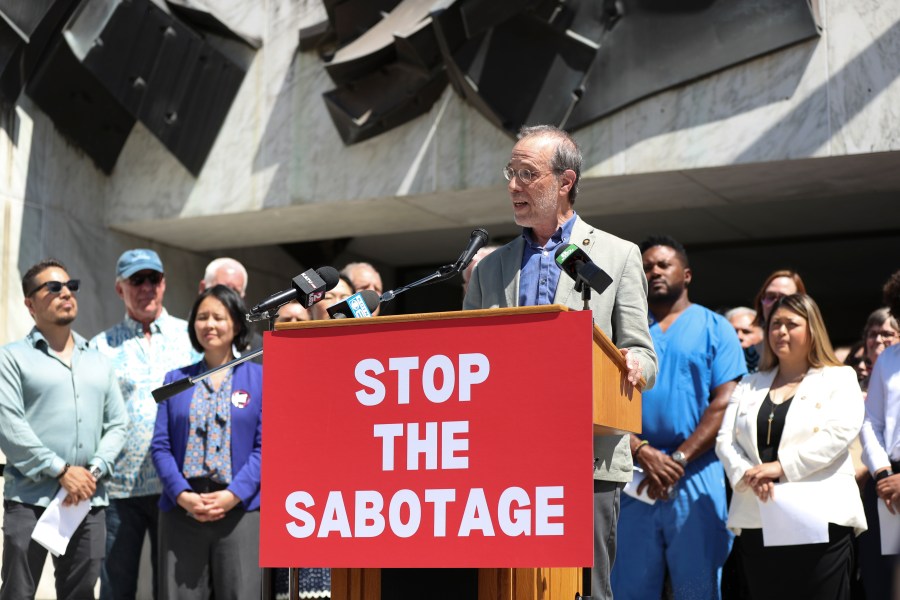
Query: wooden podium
x=616, y=410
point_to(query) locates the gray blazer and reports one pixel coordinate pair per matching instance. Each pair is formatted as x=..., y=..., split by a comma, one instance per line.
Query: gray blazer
x=620, y=311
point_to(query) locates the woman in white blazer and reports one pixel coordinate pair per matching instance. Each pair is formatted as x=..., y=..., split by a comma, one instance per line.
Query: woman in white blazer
x=794, y=421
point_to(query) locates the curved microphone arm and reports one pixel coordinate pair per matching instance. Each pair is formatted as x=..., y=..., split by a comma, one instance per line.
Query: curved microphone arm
x=176, y=387
x=445, y=272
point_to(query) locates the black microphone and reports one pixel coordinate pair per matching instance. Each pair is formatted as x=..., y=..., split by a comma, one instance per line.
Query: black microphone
x=359, y=305
x=477, y=241
x=579, y=266
x=308, y=288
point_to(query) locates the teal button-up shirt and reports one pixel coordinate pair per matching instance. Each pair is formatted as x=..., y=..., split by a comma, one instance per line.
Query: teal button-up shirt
x=52, y=414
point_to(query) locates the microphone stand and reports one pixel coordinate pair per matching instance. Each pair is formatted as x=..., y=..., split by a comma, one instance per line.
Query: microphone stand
x=445, y=272
x=582, y=286
x=176, y=387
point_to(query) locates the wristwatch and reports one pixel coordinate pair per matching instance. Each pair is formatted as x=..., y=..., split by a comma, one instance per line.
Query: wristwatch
x=883, y=474
x=679, y=457
x=95, y=472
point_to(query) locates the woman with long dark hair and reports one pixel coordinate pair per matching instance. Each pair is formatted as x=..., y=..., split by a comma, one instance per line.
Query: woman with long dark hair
x=206, y=448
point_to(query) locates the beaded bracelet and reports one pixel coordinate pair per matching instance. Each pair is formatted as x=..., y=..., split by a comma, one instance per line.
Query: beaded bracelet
x=639, y=448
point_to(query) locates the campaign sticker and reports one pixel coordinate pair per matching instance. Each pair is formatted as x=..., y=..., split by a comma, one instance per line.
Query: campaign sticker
x=240, y=399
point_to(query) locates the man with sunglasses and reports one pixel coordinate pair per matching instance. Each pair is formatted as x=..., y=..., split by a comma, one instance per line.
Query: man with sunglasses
x=62, y=424
x=542, y=175
x=143, y=347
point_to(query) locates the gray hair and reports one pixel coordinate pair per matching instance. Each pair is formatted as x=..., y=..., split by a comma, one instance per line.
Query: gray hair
x=878, y=318
x=740, y=310
x=350, y=267
x=567, y=155
x=224, y=262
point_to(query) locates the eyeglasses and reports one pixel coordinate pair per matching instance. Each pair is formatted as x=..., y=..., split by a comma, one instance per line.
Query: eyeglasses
x=55, y=287
x=137, y=279
x=525, y=176
x=884, y=335
x=770, y=297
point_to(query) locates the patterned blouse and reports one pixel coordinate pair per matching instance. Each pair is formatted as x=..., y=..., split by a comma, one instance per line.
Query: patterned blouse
x=208, y=452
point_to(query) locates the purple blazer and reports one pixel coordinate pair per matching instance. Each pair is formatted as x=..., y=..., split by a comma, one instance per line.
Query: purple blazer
x=171, y=433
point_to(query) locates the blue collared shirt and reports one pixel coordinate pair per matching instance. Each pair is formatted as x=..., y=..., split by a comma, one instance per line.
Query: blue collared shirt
x=141, y=368
x=52, y=413
x=539, y=276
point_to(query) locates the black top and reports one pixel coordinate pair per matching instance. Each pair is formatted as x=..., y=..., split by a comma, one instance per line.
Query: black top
x=767, y=442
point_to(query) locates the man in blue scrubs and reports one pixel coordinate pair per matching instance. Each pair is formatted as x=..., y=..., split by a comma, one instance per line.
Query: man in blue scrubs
x=700, y=361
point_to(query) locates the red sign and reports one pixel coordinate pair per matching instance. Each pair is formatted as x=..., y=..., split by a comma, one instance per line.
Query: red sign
x=449, y=443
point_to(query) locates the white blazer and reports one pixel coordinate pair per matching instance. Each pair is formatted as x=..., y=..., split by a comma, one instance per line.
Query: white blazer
x=824, y=418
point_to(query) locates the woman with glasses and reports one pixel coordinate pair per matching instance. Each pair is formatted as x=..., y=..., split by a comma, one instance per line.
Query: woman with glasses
x=793, y=421
x=780, y=283
x=206, y=448
x=880, y=332
x=881, y=450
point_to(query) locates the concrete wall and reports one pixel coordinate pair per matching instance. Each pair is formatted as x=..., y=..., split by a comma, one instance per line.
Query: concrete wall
x=54, y=203
x=833, y=96
x=279, y=156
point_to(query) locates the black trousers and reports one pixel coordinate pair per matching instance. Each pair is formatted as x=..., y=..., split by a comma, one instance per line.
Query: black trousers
x=813, y=571
x=23, y=559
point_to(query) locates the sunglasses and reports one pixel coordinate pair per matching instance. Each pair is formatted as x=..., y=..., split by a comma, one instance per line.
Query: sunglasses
x=55, y=287
x=138, y=279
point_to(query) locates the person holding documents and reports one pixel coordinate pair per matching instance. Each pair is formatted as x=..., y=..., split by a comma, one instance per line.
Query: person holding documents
x=62, y=424
x=786, y=435
x=880, y=438
x=206, y=447
x=681, y=536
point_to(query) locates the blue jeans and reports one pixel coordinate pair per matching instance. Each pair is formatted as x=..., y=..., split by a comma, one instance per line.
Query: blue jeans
x=127, y=520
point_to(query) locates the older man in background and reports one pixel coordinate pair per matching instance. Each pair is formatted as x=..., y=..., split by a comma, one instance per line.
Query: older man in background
x=750, y=334
x=363, y=276
x=143, y=347
x=225, y=271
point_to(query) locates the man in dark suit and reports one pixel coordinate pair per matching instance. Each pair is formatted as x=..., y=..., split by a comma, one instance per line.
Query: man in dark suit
x=543, y=174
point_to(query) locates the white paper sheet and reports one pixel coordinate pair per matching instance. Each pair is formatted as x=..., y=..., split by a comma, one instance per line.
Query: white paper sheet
x=632, y=486
x=790, y=517
x=55, y=527
x=889, y=526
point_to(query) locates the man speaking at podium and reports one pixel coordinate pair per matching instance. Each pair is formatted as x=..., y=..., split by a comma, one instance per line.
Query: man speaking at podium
x=543, y=174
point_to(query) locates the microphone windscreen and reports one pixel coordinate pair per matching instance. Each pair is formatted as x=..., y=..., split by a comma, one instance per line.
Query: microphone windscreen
x=372, y=299
x=359, y=305
x=330, y=276
x=568, y=257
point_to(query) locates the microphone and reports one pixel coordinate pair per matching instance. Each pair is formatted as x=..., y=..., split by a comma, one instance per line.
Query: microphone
x=359, y=305
x=477, y=241
x=579, y=266
x=308, y=288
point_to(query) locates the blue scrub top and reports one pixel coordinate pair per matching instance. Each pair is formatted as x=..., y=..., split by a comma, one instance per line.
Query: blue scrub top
x=699, y=352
